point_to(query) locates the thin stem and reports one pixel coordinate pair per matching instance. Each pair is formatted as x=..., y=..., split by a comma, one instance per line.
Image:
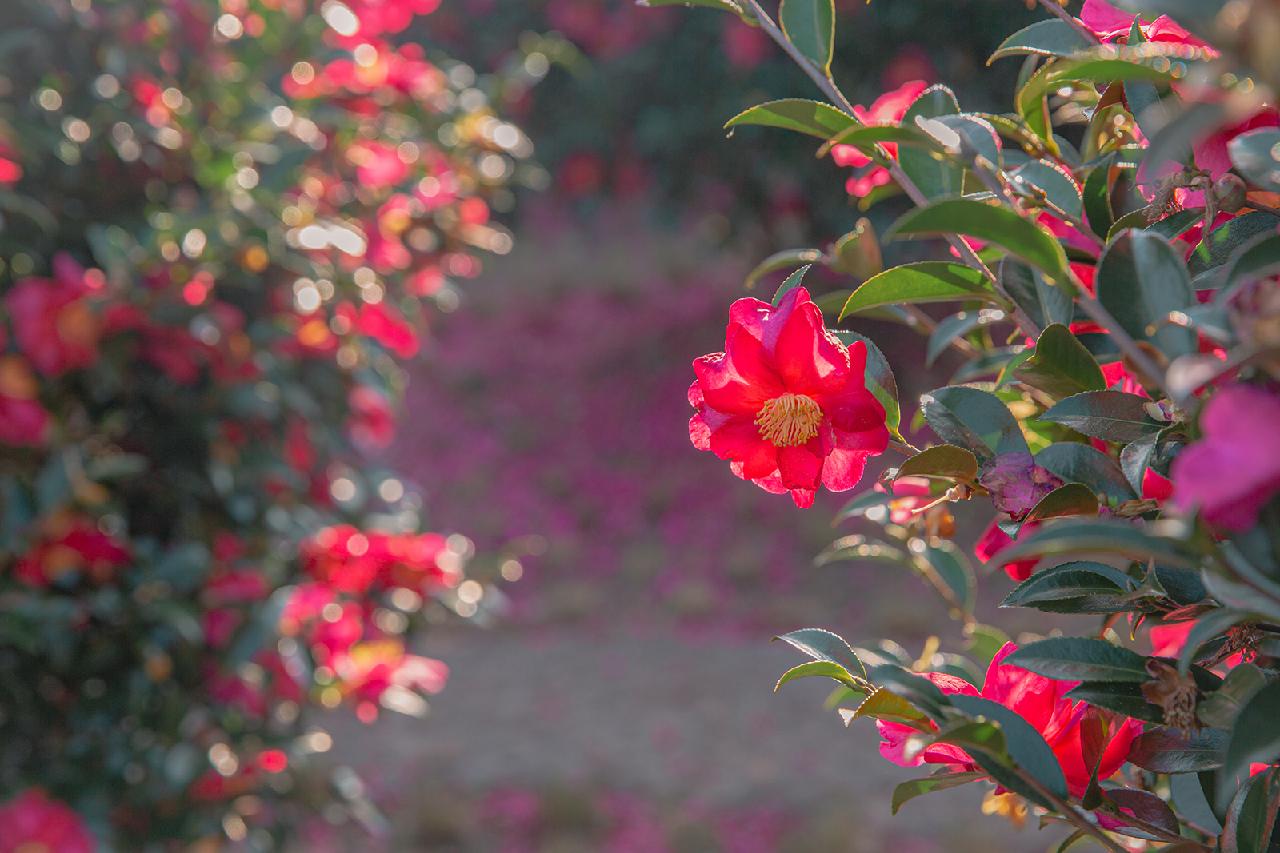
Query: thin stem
x=905, y=448
x=1069, y=812
x=1055, y=9
x=833, y=93
x=1148, y=372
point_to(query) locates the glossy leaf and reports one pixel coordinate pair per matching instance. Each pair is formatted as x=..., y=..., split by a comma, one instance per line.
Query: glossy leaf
x=810, y=25
x=1109, y=415
x=791, y=283
x=944, y=460
x=1081, y=463
x=997, y=225
x=1060, y=366
x=1165, y=750
x=804, y=116
x=928, y=281
x=822, y=669
x=975, y=420
x=1141, y=280
x=825, y=646
x=1255, y=154
x=1051, y=37
x=1255, y=736
x=907, y=791
x=1080, y=659
x=1025, y=745
x=1070, y=536
x=937, y=177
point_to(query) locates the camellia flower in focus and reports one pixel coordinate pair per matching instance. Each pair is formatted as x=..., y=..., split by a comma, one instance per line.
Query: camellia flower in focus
x=33, y=822
x=1043, y=703
x=786, y=402
x=1231, y=473
x=889, y=108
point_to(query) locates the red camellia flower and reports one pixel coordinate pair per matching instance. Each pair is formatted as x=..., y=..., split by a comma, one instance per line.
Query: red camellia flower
x=23, y=421
x=71, y=543
x=33, y=822
x=53, y=323
x=786, y=402
x=889, y=108
x=1040, y=701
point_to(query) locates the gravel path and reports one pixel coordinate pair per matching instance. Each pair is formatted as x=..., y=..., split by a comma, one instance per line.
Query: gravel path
x=673, y=718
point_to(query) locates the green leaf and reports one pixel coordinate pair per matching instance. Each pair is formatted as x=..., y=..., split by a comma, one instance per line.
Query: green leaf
x=1057, y=185
x=1097, y=198
x=956, y=326
x=788, y=259
x=1255, y=154
x=1024, y=744
x=1077, y=587
x=791, y=283
x=955, y=573
x=945, y=461
x=1081, y=463
x=998, y=225
x=810, y=25
x=1061, y=366
x=820, y=668
x=799, y=114
x=857, y=253
x=1109, y=415
x=1258, y=258
x=1080, y=659
x=912, y=284
x=1251, y=820
x=866, y=137
x=1119, y=696
x=1103, y=65
x=1220, y=244
x=1069, y=500
x=1255, y=737
x=1070, y=536
x=936, y=176
x=825, y=646
x=907, y=791
x=973, y=419
x=1043, y=38
x=1188, y=798
x=1221, y=707
x=884, y=704
x=1043, y=301
x=1141, y=280
x=1166, y=750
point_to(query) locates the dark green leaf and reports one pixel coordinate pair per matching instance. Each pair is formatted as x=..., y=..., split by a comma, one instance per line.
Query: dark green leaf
x=1165, y=750
x=973, y=419
x=1069, y=582
x=826, y=646
x=1255, y=154
x=1119, y=696
x=1069, y=536
x=1221, y=707
x=789, y=259
x=1058, y=187
x=1109, y=415
x=1251, y=819
x=1255, y=737
x=1220, y=244
x=998, y=225
x=1097, y=198
x=1080, y=659
x=1043, y=301
x=944, y=460
x=1141, y=280
x=1043, y=38
x=1081, y=463
x=1025, y=745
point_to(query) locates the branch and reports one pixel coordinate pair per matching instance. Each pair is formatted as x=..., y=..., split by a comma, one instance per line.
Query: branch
x=1053, y=8
x=833, y=93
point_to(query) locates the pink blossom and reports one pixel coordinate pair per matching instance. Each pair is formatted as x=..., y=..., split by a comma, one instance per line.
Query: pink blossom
x=1231, y=473
x=32, y=821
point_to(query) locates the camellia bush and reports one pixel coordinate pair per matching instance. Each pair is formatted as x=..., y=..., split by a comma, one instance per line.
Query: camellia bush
x=1109, y=276
x=226, y=224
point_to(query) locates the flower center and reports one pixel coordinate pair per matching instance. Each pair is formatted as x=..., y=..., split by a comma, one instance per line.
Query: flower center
x=789, y=420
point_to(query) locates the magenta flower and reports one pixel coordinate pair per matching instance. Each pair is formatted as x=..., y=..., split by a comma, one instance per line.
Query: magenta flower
x=1232, y=472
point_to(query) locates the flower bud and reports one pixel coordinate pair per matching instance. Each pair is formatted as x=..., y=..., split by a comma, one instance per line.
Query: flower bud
x=1229, y=191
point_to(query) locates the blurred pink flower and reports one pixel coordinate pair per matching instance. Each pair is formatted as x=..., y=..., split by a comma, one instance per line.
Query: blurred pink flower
x=1231, y=473
x=33, y=822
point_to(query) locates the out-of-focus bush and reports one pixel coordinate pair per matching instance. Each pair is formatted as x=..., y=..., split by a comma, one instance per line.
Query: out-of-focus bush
x=225, y=226
x=623, y=113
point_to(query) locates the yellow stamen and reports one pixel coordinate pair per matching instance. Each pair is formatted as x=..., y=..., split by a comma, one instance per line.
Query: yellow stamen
x=789, y=420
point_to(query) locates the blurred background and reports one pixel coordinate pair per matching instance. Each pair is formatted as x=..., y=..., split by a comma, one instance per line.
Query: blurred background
x=623, y=699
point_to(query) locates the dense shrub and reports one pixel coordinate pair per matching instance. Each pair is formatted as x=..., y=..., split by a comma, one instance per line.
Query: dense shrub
x=225, y=227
